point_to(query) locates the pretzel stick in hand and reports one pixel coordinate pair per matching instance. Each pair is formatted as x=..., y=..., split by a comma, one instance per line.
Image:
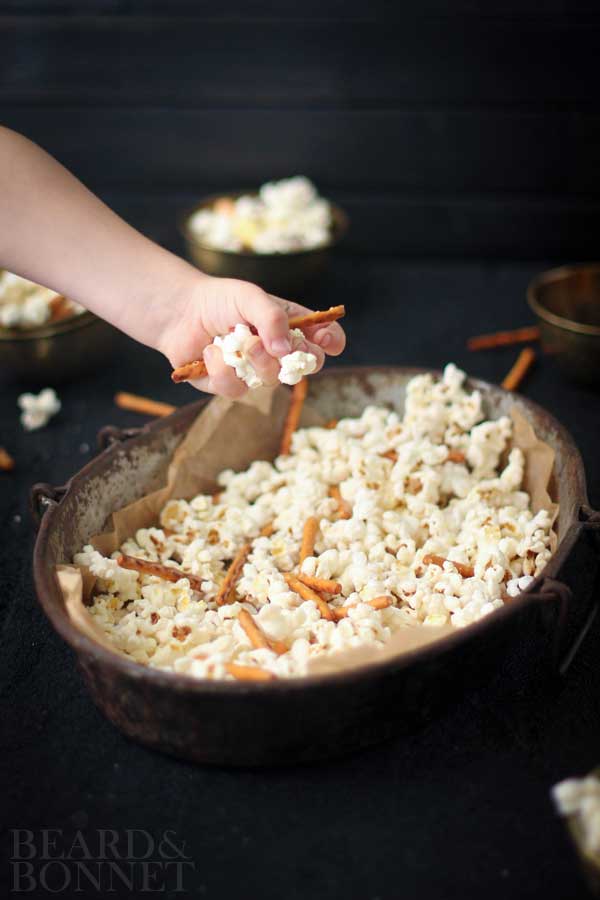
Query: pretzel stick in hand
x=197, y=368
x=167, y=573
x=225, y=594
x=299, y=392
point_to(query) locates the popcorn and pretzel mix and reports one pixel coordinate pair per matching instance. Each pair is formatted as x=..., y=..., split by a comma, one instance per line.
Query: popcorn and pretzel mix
x=25, y=304
x=367, y=526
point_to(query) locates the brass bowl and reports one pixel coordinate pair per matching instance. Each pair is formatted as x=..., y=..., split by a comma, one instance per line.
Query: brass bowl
x=284, y=274
x=567, y=304
x=55, y=351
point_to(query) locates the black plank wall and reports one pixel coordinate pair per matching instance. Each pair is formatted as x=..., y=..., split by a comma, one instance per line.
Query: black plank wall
x=447, y=128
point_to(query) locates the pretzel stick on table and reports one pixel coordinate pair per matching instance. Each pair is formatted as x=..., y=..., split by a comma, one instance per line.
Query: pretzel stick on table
x=7, y=463
x=249, y=673
x=234, y=571
x=309, y=533
x=377, y=603
x=308, y=594
x=258, y=638
x=504, y=338
x=343, y=510
x=292, y=419
x=519, y=370
x=167, y=573
x=431, y=559
x=197, y=368
x=143, y=405
x=320, y=584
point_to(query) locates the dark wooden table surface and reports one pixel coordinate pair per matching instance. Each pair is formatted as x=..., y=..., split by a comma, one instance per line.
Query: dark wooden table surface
x=460, y=809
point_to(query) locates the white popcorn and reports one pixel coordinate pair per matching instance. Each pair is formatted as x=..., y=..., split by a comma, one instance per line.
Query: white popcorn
x=25, y=304
x=580, y=797
x=294, y=366
x=286, y=216
x=37, y=410
x=407, y=501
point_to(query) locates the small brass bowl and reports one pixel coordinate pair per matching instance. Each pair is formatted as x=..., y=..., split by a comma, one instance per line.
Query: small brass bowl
x=55, y=351
x=285, y=274
x=567, y=304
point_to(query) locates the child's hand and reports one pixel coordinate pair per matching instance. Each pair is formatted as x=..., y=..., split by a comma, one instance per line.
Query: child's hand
x=215, y=308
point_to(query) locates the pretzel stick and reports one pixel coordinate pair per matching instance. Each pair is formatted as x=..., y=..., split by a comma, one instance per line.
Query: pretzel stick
x=456, y=456
x=167, y=573
x=377, y=603
x=333, y=423
x=431, y=559
x=299, y=392
x=189, y=371
x=318, y=318
x=257, y=637
x=197, y=368
x=249, y=673
x=267, y=530
x=143, y=405
x=343, y=510
x=308, y=594
x=320, y=584
x=233, y=573
x=7, y=463
x=504, y=338
x=519, y=370
x=60, y=308
x=309, y=534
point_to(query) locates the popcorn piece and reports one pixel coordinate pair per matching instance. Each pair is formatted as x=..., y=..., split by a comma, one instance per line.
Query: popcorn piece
x=580, y=797
x=38, y=409
x=294, y=366
x=412, y=524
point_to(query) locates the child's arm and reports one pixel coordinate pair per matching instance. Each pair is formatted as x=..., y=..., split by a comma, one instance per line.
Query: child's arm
x=54, y=231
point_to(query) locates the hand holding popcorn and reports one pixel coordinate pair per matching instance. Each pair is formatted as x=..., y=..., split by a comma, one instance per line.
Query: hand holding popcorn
x=241, y=336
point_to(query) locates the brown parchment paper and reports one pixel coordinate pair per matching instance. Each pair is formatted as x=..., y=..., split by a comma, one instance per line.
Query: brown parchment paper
x=230, y=435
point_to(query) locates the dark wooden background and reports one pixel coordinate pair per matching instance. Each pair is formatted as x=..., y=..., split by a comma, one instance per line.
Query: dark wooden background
x=465, y=128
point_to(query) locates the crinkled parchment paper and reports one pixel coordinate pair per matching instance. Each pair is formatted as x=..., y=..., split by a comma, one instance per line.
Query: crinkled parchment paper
x=230, y=435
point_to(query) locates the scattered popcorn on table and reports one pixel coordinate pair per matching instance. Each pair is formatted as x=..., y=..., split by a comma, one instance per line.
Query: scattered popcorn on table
x=429, y=496
x=285, y=216
x=38, y=409
x=294, y=366
x=580, y=797
x=25, y=304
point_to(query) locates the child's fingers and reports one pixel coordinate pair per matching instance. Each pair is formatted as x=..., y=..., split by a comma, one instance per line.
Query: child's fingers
x=222, y=378
x=331, y=338
x=265, y=366
x=309, y=347
x=270, y=320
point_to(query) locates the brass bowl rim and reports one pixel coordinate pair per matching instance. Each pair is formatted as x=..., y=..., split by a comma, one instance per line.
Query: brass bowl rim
x=50, y=329
x=560, y=273
x=340, y=217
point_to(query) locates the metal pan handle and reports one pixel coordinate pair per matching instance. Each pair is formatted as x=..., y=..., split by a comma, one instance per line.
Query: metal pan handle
x=41, y=497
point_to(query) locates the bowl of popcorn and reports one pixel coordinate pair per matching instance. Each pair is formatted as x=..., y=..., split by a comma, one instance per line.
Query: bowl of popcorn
x=45, y=336
x=578, y=801
x=279, y=237
x=310, y=571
